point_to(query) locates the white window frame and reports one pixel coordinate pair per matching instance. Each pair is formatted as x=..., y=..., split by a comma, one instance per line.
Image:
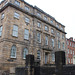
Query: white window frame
x=45, y=18
x=52, y=31
x=15, y=31
x=58, y=44
x=26, y=34
x=39, y=54
x=27, y=20
x=25, y=52
x=57, y=25
x=73, y=52
x=67, y=42
x=46, y=40
x=53, y=57
x=39, y=24
x=58, y=34
x=51, y=21
x=27, y=8
x=13, y=52
x=1, y=27
x=69, y=60
x=63, y=36
x=2, y=16
x=63, y=45
x=16, y=15
x=46, y=28
x=38, y=14
x=39, y=37
x=70, y=43
x=68, y=51
x=62, y=28
x=52, y=42
x=17, y=3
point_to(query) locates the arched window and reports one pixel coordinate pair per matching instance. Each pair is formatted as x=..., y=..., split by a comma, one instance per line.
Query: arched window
x=13, y=52
x=25, y=52
x=38, y=54
x=52, y=42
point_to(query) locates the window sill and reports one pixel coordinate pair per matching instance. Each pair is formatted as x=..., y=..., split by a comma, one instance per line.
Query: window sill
x=13, y=58
x=26, y=39
x=27, y=23
x=24, y=58
x=46, y=44
x=39, y=42
x=47, y=30
x=15, y=36
x=16, y=18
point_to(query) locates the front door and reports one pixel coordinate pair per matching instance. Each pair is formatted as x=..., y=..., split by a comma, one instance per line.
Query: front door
x=46, y=58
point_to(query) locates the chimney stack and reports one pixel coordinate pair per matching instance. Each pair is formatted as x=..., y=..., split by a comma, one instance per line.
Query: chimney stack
x=71, y=38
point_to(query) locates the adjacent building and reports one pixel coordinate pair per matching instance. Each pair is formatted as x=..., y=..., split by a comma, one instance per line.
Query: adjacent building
x=70, y=50
x=25, y=29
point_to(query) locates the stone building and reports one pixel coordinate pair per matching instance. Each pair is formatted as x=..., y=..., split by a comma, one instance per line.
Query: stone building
x=70, y=50
x=25, y=29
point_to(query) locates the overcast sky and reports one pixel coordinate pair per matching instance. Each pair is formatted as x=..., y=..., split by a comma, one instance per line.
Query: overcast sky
x=62, y=10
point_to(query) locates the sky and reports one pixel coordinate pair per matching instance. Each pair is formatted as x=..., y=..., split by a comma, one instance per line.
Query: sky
x=62, y=10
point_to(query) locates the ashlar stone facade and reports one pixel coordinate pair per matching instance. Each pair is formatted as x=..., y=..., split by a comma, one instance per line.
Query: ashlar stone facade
x=25, y=29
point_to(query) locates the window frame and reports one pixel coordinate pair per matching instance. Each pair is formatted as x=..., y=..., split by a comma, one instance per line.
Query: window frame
x=15, y=31
x=2, y=16
x=38, y=24
x=52, y=30
x=39, y=54
x=53, y=57
x=39, y=14
x=26, y=34
x=58, y=34
x=12, y=48
x=73, y=52
x=17, y=2
x=45, y=18
x=39, y=38
x=1, y=28
x=68, y=51
x=51, y=21
x=52, y=42
x=27, y=20
x=62, y=28
x=16, y=15
x=25, y=52
x=63, y=36
x=58, y=44
x=63, y=45
x=46, y=28
x=57, y=25
x=27, y=8
x=46, y=40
